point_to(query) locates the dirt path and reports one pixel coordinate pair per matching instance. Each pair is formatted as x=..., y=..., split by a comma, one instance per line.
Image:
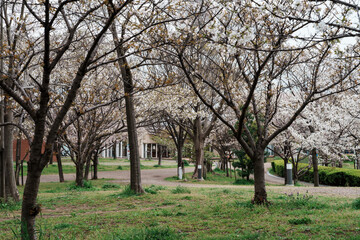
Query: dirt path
x=157, y=177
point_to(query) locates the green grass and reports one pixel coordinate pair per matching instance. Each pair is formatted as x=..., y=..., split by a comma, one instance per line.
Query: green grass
x=53, y=168
x=216, y=178
x=202, y=213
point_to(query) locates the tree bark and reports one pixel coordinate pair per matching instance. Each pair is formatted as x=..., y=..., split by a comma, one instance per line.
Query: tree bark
x=199, y=142
x=18, y=161
x=135, y=171
x=87, y=167
x=29, y=206
x=79, y=173
x=159, y=155
x=260, y=196
x=95, y=162
x=10, y=183
x=286, y=160
x=227, y=167
x=59, y=163
x=315, y=167
x=179, y=159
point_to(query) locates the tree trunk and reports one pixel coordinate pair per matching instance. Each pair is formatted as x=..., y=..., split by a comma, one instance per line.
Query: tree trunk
x=260, y=196
x=227, y=167
x=159, y=155
x=114, y=150
x=286, y=160
x=183, y=169
x=295, y=170
x=79, y=173
x=179, y=158
x=199, y=157
x=18, y=160
x=135, y=171
x=10, y=183
x=315, y=166
x=29, y=206
x=87, y=167
x=59, y=163
x=95, y=162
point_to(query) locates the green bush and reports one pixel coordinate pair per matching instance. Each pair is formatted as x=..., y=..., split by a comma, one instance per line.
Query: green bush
x=243, y=182
x=356, y=204
x=327, y=175
x=297, y=221
x=119, y=167
x=127, y=192
x=186, y=163
x=87, y=186
x=110, y=186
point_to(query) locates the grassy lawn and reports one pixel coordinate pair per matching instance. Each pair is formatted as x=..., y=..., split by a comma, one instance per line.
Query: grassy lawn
x=53, y=169
x=106, y=210
x=216, y=178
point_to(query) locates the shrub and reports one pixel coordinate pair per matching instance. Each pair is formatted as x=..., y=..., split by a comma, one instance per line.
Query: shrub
x=180, y=189
x=110, y=186
x=327, y=175
x=297, y=221
x=186, y=163
x=87, y=186
x=244, y=182
x=127, y=192
x=356, y=204
x=119, y=167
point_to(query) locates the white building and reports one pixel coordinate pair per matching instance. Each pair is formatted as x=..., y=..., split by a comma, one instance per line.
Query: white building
x=148, y=148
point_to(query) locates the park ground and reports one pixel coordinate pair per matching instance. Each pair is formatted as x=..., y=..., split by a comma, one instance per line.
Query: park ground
x=172, y=209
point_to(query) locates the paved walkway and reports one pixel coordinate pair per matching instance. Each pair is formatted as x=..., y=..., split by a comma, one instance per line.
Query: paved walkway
x=157, y=177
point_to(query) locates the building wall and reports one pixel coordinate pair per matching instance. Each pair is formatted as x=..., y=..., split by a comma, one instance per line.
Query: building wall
x=25, y=150
x=121, y=150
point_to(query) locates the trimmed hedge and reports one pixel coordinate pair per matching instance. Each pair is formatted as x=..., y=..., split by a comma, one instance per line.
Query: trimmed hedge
x=327, y=175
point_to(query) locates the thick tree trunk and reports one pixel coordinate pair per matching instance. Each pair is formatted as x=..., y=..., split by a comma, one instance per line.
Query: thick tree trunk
x=260, y=196
x=29, y=206
x=79, y=173
x=199, y=157
x=10, y=186
x=95, y=162
x=87, y=167
x=135, y=171
x=59, y=163
x=315, y=166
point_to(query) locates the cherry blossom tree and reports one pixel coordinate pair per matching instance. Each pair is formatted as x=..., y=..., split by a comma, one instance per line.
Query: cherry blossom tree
x=256, y=67
x=59, y=26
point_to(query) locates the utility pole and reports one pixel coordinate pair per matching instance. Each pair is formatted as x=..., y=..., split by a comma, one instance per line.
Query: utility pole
x=2, y=160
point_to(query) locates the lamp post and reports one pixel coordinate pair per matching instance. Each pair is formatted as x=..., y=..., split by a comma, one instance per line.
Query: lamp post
x=289, y=180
